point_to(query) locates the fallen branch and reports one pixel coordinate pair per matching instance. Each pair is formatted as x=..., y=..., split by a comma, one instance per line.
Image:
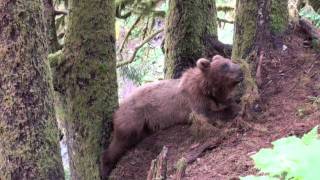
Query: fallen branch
x=224, y=21
x=214, y=47
x=136, y=49
x=310, y=29
x=158, y=168
x=207, y=145
x=225, y=8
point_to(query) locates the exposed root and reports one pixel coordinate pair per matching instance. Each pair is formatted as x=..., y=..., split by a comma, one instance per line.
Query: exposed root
x=198, y=151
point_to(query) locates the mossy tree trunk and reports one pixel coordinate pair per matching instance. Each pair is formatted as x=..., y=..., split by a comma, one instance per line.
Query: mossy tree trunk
x=188, y=23
x=49, y=18
x=252, y=30
x=29, y=136
x=251, y=38
x=279, y=16
x=85, y=74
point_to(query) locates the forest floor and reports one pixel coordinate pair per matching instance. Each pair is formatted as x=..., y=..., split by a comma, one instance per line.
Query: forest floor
x=291, y=77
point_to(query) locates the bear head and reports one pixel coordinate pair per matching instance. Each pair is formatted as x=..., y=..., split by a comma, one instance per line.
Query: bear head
x=221, y=75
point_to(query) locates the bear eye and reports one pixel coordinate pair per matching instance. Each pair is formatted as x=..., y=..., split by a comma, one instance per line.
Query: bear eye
x=225, y=67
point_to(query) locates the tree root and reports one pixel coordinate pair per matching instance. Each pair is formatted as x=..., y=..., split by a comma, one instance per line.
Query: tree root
x=198, y=151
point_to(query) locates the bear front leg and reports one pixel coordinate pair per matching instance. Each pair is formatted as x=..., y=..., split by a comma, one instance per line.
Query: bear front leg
x=200, y=126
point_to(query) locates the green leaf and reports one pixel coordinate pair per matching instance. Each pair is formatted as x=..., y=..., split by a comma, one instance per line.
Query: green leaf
x=258, y=178
x=291, y=158
x=311, y=136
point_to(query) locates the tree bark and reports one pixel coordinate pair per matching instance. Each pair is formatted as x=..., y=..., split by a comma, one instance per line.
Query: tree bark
x=251, y=39
x=188, y=23
x=29, y=137
x=85, y=74
x=251, y=27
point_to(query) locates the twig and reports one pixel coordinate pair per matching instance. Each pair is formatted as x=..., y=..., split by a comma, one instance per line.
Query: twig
x=225, y=8
x=136, y=49
x=258, y=74
x=225, y=21
x=311, y=67
x=60, y=35
x=294, y=86
x=128, y=34
x=57, y=13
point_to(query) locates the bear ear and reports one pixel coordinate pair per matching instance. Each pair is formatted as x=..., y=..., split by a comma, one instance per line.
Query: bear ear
x=216, y=57
x=203, y=64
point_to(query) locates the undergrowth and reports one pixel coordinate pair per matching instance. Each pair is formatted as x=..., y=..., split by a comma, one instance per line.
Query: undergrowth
x=291, y=158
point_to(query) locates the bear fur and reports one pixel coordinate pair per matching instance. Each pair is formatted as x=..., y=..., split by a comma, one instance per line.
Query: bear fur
x=203, y=90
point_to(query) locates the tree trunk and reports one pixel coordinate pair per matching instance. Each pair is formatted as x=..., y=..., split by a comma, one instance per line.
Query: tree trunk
x=187, y=25
x=251, y=38
x=49, y=18
x=251, y=27
x=29, y=137
x=85, y=73
x=294, y=7
x=279, y=16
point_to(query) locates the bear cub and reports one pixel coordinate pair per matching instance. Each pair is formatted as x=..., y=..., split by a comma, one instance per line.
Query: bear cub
x=202, y=90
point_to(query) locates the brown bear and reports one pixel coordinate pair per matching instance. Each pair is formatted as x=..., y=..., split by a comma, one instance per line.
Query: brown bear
x=203, y=90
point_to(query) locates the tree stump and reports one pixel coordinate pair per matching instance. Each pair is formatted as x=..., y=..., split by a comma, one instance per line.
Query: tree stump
x=181, y=168
x=158, y=168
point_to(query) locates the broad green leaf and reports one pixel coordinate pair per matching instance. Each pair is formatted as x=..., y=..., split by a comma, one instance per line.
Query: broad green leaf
x=290, y=158
x=311, y=136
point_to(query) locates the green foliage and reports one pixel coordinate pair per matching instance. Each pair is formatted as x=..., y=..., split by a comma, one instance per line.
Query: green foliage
x=225, y=30
x=309, y=13
x=67, y=174
x=290, y=158
x=125, y=8
x=223, y=2
x=279, y=16
x=148, y=66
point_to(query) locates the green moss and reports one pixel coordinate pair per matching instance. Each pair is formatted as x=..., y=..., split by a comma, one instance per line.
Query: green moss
x=185, y=31
x=29, y=147
x=250, y=90
x=56, y=58
x=89, y=83
x=279, y=16
x=103, y=68
x=245, y=28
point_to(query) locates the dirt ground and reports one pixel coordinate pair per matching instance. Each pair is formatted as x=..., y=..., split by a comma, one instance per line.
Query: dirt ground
x=290, y=77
